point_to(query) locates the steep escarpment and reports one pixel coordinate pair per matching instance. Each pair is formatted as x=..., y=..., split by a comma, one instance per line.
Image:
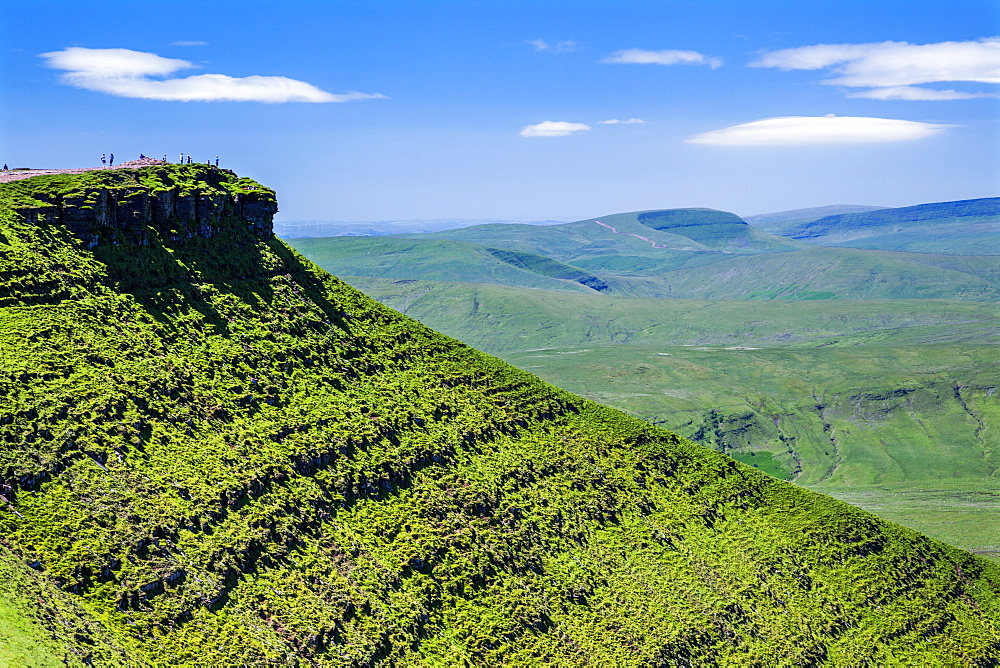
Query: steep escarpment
x=212, y=452
x=173, y=202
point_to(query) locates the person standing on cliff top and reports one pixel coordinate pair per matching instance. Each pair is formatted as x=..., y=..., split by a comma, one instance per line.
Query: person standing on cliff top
x=216, y=161
x=103, y=160
x=112, y=160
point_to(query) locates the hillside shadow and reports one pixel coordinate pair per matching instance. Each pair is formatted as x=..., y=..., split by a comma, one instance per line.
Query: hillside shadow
x=169, y=274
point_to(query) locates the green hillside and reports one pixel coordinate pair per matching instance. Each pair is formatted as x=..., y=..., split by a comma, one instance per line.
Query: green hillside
x=779, y=221
x=713, y=229
x=966, y=227
x=437, y=260
x=215, y=453
x=839, y=273
x=639, y=233
x=892, y=404
x=803, y=274
x=501, y=318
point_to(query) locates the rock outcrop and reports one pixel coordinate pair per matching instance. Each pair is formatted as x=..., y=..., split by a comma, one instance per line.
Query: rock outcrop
x=121, y=205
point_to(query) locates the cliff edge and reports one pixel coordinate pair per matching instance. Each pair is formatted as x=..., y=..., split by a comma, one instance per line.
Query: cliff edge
x=127, y=205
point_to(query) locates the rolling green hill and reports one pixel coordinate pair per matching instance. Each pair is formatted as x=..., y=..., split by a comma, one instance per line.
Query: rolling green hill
x=436, y=259
x=636, y=234
x=216, y=453
x=966, y=227
x=718, y=230
x=806, y=273
x=839, y=280
x=779, y=221
x=839, y=273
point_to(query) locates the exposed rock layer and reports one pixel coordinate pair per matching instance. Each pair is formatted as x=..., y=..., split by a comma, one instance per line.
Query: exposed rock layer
x=123, y=210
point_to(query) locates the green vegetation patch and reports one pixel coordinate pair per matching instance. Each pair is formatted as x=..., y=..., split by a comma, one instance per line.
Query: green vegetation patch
x=766, y=462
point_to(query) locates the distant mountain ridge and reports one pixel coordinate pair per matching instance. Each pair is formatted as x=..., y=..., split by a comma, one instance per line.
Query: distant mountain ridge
x=675, y=253
x=779, y=221
x=651, y=233
x=335, y=228
x=963, y=226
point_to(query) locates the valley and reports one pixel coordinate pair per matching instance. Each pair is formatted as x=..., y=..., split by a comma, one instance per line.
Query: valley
x=866, y=374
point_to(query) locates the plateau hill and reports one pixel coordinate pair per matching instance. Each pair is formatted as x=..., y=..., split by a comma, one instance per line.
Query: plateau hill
x=213, y=452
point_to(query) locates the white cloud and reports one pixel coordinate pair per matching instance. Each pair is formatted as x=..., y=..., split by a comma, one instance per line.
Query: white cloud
x=617, y=121
x=124, y=63
x=916, y=93
x=186, y=42
x=566, y=46
x=829, y=129
x=127, y=73
x=553, y=129
x=664, y=57
x=890, y=69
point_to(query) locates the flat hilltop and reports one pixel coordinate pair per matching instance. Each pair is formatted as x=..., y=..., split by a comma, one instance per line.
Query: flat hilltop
x=17, y=174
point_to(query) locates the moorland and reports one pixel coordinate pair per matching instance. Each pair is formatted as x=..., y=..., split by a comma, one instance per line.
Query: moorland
x=868, y=372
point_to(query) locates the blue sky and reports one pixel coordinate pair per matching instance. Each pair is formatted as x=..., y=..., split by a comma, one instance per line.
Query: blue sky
x=407, y=110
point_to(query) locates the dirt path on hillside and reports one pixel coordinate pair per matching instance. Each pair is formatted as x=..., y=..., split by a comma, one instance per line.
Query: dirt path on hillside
x=655, y=245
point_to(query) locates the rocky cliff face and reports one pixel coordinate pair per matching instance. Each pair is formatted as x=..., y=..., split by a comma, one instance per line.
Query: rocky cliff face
x=130, y=205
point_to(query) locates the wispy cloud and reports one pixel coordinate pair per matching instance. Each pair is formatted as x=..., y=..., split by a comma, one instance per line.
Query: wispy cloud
x=553, y=129
x=565, y=46
x=137, y=74
x=664, y=57
x=829, y=129
x=916, y=93
x=894, y=70
x=185, y=42
x=618, y=121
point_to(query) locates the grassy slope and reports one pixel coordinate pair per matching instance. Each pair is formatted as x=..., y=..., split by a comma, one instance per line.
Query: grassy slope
x=905, y=386
x=439, y=260
x=779, y=221
x=839, y=273
x=811, y=273
x=966, y=226
x=229, y=454
x=971, y=239
x=41, y=626
x=718, y=230
x=570, y=242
